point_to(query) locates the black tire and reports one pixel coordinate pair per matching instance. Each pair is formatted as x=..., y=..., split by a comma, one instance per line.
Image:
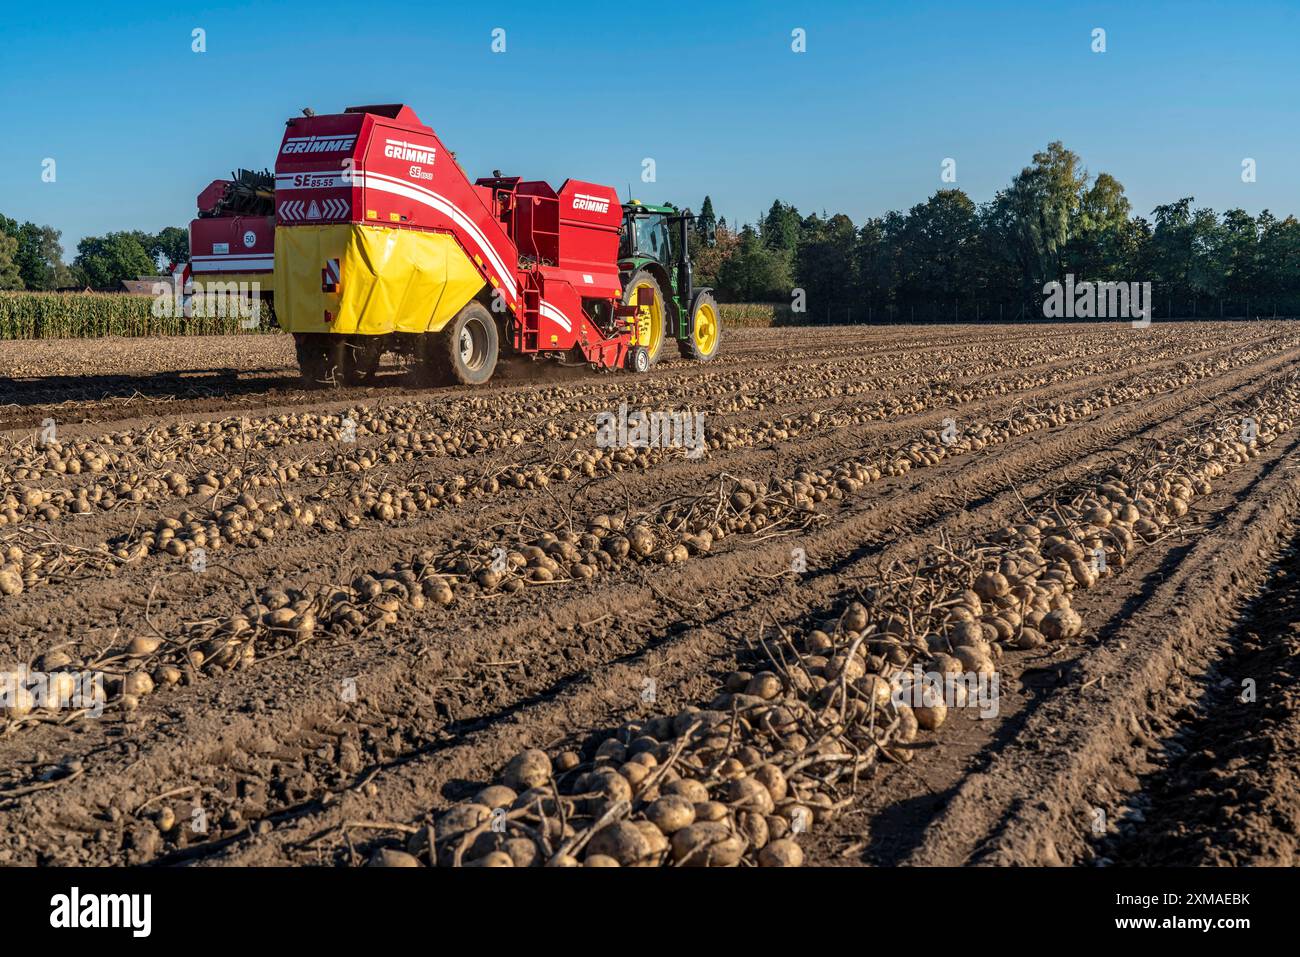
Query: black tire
x=638, y=359
x=690, y=348
x=313, y=360
x=360, y=360
x=327, y=360
x=646, y=277
x=465, y=352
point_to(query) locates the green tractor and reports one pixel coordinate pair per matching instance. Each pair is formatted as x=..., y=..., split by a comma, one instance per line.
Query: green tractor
x=654, y=263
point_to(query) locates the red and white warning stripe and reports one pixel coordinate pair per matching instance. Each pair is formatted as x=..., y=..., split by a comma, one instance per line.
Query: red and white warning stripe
x=300, y=210
x=330, y=276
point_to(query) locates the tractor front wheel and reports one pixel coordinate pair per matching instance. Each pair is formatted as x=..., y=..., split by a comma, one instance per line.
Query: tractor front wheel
x=706, y=330
x=648, y=324
x=465, y=351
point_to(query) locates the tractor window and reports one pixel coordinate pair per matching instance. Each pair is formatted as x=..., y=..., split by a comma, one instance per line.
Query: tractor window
x=652, y=238
x=646, y=236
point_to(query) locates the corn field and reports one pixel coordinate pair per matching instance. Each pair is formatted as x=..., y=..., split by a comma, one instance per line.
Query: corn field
x=755, y=314
x=91, y=315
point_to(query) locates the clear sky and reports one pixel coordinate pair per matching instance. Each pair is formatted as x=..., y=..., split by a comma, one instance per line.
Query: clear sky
x=859, y=123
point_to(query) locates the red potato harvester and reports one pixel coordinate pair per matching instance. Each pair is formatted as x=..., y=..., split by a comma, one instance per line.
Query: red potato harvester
x=382, y=243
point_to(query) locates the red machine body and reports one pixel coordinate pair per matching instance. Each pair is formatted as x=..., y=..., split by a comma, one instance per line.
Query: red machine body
x=227, y=244
x=232, y=245
x=550, y=257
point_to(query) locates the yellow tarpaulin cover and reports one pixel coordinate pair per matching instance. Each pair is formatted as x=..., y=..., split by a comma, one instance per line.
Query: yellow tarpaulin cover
x=390, y=280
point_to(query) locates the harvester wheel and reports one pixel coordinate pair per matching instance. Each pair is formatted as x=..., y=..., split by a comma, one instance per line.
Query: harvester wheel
x=332, y=360
x=648, y=326
x=638, y=359
x=706, y=330
x=313, y=360
x=360, y=360
x=465, y=351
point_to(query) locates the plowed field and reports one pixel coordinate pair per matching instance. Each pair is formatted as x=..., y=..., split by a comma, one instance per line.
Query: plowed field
x=939, y=595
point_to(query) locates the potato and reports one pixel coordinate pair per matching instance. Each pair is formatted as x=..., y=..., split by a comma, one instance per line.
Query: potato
x=11, y=580
x=567, y=761
x=495, y=796
x=932, y=711
x=658, y=844
x=754, y=829
x=528, y=769
x=764, y=685
x=622, y=841
x=495, y=859
x=991, y=585
x=387, y=857
x=707, y=844
x=137, y=683
x=908, y=724
x=671, y=813
x=772, y=778
x=781, y=853
x=748, y=794
x=974, y=659
x=1061, y=624
x=461, y=818
x=142, y=645
x=689, y=788
x=1030, y=638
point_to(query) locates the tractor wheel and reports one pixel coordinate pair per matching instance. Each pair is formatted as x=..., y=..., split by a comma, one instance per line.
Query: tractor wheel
x=648, y=327
x=706, y=330
x=465, y=351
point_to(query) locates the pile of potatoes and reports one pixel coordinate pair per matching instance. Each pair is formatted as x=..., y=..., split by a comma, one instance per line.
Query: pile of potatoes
x=740, y=780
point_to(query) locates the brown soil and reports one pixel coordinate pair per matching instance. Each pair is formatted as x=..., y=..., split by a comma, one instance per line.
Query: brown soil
x=284, y=764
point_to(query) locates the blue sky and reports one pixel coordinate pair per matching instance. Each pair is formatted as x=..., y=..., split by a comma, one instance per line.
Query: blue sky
x=860, y=123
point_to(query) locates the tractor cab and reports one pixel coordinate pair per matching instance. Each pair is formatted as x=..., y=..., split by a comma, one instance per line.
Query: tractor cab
x=645, y=235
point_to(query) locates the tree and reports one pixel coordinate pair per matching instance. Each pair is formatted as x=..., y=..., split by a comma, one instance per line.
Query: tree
x=1094, y=248
x=10, y=278
x=707, y=261
x=935, y=243
x=1171, y=246
x=171, y=246
x=780, y=227
x=104, y=261
x=40, y=258
x=706, y=224
x=825, y=265
x=1040, y=209
x=754, y=273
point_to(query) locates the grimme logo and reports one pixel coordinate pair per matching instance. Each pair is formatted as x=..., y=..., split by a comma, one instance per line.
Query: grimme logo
x=318, y=144
x=593, y=203
x=413, y=152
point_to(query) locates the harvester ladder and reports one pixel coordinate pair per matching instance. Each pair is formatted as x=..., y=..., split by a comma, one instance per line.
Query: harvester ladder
x=530, y=322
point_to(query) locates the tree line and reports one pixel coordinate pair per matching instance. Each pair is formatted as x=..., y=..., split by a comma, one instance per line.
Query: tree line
x=31, y=257
x=950, y=257
x=945, y=258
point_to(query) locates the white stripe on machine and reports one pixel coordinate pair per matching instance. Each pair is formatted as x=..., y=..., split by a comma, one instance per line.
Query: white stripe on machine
x=389, y=184
x=557, y=317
